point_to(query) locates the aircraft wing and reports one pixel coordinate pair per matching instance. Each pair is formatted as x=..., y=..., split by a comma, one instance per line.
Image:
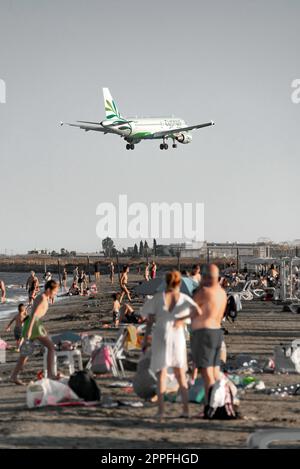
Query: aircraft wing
x=170, y=132
x=86, y=125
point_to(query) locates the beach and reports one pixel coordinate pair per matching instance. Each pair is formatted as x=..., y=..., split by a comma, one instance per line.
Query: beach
x=260, y=326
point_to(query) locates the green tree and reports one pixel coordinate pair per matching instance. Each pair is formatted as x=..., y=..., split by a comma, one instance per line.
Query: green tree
x=108, y=246
x=135, y=251
x=154, y=246
x=141, y=248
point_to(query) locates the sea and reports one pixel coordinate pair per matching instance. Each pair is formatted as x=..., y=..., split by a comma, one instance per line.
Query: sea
x=15, y=292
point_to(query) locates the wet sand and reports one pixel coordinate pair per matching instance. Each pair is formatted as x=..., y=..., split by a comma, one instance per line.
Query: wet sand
x=259, y=328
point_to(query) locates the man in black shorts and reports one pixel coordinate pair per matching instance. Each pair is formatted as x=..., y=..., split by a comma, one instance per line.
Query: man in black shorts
x=207, y=335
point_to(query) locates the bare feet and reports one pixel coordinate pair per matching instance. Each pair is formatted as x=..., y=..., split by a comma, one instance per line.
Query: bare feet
x=17, y=381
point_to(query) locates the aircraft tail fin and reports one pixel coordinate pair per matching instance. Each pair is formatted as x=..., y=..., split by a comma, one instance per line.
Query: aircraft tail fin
x=111, y=109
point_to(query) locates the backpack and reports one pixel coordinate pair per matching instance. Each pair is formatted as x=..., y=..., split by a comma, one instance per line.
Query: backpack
x=101, y=361
x=84, y=385
x=233, y=306
x=221, y=405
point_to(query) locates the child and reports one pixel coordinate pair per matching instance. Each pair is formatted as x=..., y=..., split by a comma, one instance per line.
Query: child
x=116, y=309
x=18, y=319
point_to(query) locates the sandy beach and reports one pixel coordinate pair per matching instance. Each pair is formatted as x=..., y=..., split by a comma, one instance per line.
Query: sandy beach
x=260, y=326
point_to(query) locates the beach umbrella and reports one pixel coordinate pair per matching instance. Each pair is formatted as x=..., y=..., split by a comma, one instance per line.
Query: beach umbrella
x=67, y=335
x=148, y=287
x=159, y=284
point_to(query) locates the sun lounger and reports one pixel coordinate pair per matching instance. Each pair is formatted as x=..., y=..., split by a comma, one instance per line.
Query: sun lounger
x=71, y=355
x=261, y=439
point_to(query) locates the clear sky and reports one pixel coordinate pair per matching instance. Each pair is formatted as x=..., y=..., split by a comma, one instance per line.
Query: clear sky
x=231, y=61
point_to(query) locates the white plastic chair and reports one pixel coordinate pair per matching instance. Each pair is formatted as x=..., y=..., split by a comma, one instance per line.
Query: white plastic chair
x=71, y=355
x=261, y=439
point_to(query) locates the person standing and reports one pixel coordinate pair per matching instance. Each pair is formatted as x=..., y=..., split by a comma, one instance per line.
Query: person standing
x=153, y=270
x=76, y=275
x=64, y=279
x=3, y=291
x=32, y=286
x=97, y=271
x=124, y=283
x=147, y=272
x=33, y=329
x=207, y=334
x=111, y=272
x=168, y=349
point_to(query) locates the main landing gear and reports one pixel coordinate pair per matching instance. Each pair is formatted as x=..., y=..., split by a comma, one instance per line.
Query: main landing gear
x=165, y=146
x=130, y=146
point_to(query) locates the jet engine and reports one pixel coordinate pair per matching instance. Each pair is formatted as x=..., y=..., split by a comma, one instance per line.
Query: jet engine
x=184, y=137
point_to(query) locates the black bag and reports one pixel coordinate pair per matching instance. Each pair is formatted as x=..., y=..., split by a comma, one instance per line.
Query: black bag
x=84, y=385
x=232, y=307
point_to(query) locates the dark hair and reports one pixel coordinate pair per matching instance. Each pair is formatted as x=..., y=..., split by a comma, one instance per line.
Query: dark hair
x=51, y=285
x=115, y=296
x=20, y=306
x=125, y=267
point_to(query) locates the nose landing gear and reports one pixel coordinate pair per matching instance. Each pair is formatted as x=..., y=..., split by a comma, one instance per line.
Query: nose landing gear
x=130, y=146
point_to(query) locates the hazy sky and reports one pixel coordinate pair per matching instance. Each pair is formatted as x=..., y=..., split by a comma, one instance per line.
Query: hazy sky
x=231, y=61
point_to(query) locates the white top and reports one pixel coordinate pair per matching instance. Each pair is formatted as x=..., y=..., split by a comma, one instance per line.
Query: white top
x=168, y=343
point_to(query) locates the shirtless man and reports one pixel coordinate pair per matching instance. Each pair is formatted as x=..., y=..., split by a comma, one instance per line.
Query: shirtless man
x=207, y=335
x=32, y=286
x=3, y=291
x=33, y=329
x=123, y=284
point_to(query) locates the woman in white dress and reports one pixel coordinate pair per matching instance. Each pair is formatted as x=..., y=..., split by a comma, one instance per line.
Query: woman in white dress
x=168, y=348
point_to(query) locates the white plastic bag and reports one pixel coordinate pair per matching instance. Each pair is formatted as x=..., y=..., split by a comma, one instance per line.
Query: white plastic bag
x=47, y=392
x=90, y=343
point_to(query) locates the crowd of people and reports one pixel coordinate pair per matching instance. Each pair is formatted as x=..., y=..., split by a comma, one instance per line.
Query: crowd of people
x=167, y=314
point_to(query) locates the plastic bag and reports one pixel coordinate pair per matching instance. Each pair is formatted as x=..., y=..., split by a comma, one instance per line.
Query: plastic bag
x=48, y=392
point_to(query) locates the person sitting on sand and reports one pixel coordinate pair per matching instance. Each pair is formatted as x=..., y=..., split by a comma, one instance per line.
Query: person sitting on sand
x=18, y=319
x=74, y=289
x=168, y=339
x=33, y=329
x=123, y=283
x=3, y=291
x=123, y=313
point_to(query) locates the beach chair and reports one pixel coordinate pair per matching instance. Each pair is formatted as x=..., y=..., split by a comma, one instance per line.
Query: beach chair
x=71, y=355
x=261, y=439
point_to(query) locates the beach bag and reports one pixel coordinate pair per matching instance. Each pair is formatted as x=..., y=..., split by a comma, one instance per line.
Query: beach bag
x=144, y=381
x=101, y=360
x=84, y=385
x=221, y=401
x=47, y=392
x=197, y=392
x=90, y=343
x=233, y=307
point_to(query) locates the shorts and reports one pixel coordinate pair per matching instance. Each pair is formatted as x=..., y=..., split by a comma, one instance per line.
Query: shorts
x=116, y=316
x=18, y=332
x=206, y=347
x=38, y=329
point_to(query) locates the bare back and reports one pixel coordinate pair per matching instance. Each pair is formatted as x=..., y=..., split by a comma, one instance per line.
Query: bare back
x=40, y=306
x=212, y=302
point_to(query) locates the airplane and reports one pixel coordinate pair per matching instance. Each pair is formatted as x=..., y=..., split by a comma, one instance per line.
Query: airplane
x=134, y=130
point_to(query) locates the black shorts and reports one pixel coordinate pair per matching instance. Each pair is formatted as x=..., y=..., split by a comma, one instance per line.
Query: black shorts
x=206, y=347
x=18, y=333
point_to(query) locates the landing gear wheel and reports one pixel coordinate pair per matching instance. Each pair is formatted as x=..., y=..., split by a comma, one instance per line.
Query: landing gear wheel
x=174, y=145
x=166, y=146
x=128, y=146
x=161, y=146
x=132, y=146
